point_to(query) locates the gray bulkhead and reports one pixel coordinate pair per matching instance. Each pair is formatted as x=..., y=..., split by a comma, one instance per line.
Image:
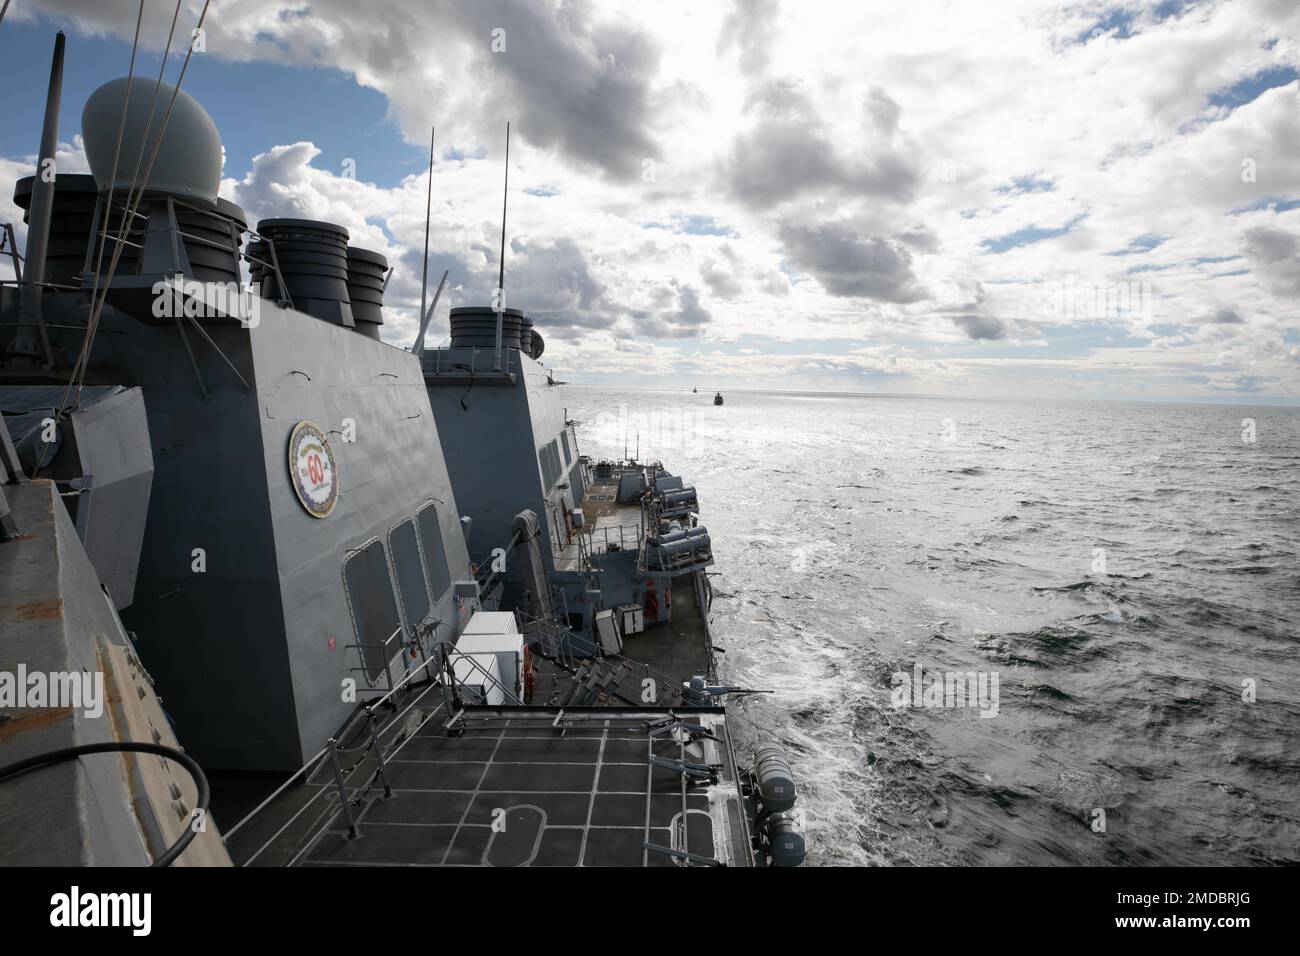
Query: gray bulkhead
x=207, y=608
x=496, y=436
x=393, y=469
x=252, y=651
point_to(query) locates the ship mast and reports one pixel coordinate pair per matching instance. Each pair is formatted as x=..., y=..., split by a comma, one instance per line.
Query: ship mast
x=427, y=314
x=500, y=302
x=428, y=208
x=32, y=348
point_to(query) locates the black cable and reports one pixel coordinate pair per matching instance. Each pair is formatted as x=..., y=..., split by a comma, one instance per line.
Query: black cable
x=125, y=746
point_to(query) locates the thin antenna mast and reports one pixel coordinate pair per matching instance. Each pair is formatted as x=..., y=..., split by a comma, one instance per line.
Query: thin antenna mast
x=30, y=347
x=428, y=206
x=501, y=275
x=418, y=348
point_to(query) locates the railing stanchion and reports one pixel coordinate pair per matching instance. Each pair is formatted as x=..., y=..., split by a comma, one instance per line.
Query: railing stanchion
x=379, y=752
x=343, y=790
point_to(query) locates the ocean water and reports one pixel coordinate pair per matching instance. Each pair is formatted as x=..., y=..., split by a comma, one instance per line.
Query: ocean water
x=1128, y=573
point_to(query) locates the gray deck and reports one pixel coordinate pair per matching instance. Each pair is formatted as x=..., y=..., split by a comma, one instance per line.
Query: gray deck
x=507, y=786
x=680, y=650
x=513, y=790
x=604, y=516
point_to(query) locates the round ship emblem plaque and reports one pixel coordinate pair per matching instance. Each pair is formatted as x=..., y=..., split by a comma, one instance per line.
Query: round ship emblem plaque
x=312, y=468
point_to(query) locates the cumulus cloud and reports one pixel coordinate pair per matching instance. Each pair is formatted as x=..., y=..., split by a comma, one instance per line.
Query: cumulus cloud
x=847, y=263
x=685, y=321
x=1227, y=316
x=1273, y=252
x=577, y=81
x=558, y=287
x=981, y=326
x=749, y=27
x=721, y=281
x=791, y=151
x=818, y=172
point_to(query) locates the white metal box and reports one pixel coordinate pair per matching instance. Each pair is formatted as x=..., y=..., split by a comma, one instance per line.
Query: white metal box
x=607, y=632
x=478, y=680
x=497, y=633
x=631, y=618
x=508, y=649
x=492, y=622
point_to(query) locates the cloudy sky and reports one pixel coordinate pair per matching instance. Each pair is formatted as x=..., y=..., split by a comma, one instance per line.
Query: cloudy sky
x=1092, y=199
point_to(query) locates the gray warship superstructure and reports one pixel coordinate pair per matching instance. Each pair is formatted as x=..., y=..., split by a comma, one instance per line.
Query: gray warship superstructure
x=264, y=516
x=612, y=549
x=93, y=772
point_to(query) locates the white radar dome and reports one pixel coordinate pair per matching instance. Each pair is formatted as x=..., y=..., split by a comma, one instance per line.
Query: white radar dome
x=189, y=160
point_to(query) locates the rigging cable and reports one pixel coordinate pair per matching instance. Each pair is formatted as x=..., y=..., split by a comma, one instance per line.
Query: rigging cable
x=134, y=196
x=117, y=149
x=135, y=193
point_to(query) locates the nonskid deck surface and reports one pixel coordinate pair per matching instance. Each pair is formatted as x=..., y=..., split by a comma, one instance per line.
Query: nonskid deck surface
x=537, y=785
x=513, y=788
x=583, y=791
x=604, y=516
x=681, y=648
x=278, y=834
x=678, y=650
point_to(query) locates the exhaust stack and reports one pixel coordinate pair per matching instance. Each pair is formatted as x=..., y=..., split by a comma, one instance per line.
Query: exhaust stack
x=367, y=273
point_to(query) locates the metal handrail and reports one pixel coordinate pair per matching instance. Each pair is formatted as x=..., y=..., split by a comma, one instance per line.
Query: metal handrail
x=227, y=834
x=58, y=286
x=239, y=251
x=693, y=560
x=459, y=368
x=625, y=532
x=450, y=654
x=324, y=750
x=281, y=289
x=663, y=679
x=9, y=247
x=98, y=240
x=121, y=241
x=405, y=680
x=344, y=797
x=450, y=649
x=559, y=634
x=388, y=657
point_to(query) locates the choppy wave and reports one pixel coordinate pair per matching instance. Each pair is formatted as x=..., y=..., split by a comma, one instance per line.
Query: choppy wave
x=1129, y=571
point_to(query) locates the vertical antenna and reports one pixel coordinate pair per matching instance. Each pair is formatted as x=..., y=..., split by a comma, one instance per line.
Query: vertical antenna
x=505, y=194
x=428, y=206
x=31, y=349
x=418, y=347
x=501, y=274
